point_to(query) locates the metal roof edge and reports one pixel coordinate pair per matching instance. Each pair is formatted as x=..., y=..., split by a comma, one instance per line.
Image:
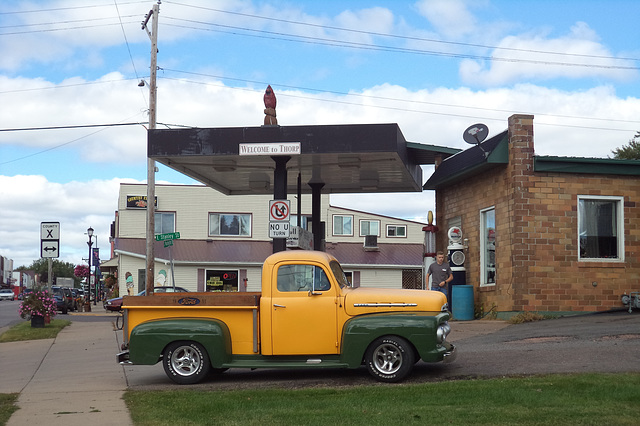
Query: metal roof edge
x=608, y=166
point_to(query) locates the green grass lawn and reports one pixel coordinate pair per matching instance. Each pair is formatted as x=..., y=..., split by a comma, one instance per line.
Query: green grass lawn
x=583, y=399
x=24, y=331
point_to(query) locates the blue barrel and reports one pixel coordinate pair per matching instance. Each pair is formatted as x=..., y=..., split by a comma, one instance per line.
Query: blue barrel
x=462, y=296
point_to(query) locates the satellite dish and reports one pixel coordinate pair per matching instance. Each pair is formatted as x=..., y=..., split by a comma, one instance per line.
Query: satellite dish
x=475, y=134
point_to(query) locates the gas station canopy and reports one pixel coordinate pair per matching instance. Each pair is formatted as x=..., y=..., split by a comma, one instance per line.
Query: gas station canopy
x=355, y=158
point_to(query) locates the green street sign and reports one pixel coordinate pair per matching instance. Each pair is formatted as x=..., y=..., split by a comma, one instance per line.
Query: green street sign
x=168, y=243
x=169, y=236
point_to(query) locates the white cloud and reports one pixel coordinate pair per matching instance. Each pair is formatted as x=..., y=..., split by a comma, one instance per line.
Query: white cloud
x=524, y=59
x=29, y=200
x=450, y=18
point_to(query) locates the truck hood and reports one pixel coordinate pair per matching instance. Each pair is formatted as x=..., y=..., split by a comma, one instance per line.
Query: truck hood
x=358, y=301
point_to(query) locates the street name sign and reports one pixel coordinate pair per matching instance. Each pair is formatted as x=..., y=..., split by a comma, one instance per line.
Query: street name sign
x=168, y=236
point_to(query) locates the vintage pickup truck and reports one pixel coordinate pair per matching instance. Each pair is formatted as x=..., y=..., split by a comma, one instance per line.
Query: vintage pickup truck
x=306, y=316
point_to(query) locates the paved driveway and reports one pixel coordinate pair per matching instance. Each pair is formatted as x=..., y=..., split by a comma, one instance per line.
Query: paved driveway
x=608, y=342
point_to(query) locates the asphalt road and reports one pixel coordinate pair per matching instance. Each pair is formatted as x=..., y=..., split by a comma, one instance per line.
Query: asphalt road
x=9, y=313
x=606, y=342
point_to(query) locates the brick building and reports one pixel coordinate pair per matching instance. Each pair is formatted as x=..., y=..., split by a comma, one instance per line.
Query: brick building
x=542, y=233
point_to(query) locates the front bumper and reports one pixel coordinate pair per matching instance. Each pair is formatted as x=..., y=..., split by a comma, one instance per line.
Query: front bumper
x=123, y=358
x=450, y=355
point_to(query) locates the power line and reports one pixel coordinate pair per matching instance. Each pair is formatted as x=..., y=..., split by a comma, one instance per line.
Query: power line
x=387, y=99
x=408, y=38
x=79, y=126
x=264, y=34
x=18, y=12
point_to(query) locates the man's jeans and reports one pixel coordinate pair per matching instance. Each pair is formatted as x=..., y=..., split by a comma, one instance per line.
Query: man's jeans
x=441, y=290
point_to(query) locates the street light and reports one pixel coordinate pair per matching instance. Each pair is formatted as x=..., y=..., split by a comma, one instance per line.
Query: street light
x=90, y=243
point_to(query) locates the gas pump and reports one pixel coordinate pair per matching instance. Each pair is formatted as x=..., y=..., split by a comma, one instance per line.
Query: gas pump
x=455, y=251
x=429, y=248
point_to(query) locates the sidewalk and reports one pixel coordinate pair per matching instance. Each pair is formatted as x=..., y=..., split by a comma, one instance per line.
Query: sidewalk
x=71, y=380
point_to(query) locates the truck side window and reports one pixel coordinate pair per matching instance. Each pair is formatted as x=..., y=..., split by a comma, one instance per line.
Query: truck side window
x=286, y=278
x=321, y=282
x=302, y=278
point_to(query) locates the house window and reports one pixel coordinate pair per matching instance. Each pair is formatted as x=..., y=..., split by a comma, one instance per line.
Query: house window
x=164, y=223
x=488, y=246
x=600, y=228
x=369, y=227
x=222, y=224
x=342, y=225
x=396, y=231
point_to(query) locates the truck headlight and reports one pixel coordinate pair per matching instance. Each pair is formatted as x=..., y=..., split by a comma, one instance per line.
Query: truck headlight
x=442, y=332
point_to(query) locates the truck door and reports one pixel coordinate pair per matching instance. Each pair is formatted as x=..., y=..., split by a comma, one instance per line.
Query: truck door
x=304, y=316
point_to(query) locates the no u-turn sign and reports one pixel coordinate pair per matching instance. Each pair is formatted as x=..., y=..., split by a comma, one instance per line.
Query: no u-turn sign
x=279, y=218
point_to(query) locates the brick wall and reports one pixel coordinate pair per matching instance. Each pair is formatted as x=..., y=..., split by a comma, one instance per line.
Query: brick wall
x=537, y=267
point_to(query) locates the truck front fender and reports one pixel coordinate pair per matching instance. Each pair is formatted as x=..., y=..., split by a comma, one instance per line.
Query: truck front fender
x=419, y=328
x=148, y=339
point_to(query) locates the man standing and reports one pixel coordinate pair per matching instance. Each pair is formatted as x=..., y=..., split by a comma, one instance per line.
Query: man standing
x=440, y=274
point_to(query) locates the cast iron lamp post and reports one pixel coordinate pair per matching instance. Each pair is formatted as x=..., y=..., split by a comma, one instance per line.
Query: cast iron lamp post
x=90, y=243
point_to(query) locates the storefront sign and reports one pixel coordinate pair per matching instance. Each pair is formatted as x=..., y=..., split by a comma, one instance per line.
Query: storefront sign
x=138, y=201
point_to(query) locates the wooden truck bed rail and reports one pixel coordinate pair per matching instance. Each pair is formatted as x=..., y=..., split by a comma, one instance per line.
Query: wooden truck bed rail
x=248, y=299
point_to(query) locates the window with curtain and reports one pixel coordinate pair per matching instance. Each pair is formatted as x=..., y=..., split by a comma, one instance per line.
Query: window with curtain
x=488, y=246
x=342, y=225
x=369, y=227
x=164, y=223
x=600, y=232
x=229, y=224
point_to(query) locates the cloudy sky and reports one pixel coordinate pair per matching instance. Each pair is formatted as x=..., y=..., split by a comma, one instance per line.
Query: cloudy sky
x=432, y=66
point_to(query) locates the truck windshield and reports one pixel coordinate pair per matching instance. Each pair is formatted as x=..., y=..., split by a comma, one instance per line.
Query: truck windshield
x=339, y=275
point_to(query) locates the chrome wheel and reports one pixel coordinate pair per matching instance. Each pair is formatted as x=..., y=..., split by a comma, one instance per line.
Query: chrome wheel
x=186, y=362
x=390, y=359
x=387, y=358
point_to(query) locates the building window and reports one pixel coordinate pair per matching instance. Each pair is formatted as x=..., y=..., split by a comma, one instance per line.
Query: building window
x=600, y=228
x=488, y=246
x=221, y=280
x=221, y=224
x=369, y=227
x=396, y=231
x=164, y=223
x=342, y=225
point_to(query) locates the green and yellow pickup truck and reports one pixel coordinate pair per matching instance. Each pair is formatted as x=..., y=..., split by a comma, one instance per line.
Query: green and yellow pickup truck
x=306, y=316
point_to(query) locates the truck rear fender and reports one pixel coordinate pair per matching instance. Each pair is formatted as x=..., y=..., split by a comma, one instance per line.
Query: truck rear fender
x=148, y=339
x=418, y=328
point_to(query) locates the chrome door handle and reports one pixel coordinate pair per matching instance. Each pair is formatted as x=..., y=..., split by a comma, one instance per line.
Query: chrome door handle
x=275, y=305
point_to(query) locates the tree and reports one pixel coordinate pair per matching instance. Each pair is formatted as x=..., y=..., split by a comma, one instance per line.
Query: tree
x=59, y=268
x=629, y=152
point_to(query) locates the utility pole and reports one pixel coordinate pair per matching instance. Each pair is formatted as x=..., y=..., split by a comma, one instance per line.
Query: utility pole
x=151, y=164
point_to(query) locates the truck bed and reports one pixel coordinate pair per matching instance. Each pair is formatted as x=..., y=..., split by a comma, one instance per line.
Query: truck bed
x=238, y=310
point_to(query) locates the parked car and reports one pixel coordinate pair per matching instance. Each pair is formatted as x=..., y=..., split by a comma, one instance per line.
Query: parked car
x=76, y=298
x=7, y=294
x=115, y=304
x=25, y=293
x=63, y=297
